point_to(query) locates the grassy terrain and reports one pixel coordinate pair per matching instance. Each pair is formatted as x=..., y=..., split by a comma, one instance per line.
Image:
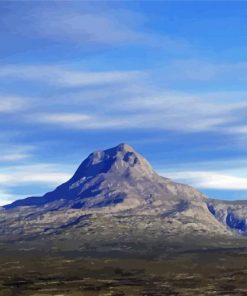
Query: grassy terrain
x=214, y=272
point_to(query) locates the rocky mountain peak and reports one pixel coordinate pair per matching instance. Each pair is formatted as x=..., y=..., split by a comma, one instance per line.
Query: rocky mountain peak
x=117, y=170
x=124, y=147
x=115, y=195
x=113, y=153
x=117, y=159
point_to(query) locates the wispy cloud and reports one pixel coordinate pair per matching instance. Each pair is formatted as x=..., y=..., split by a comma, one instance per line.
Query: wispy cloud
x=21, y=178
x=66, y=77
x=7, y=197
x=9, y=157
x=127, y=99
x=10, y=104
x=81, y=26
x=143, y=108
x=209, y=179
x=14, y=153
x=63, y=118
x=205, y=70
x=34, y=175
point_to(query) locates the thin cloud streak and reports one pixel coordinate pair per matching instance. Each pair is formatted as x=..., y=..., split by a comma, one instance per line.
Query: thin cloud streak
x=63, y=118
x=50, y=174
x=6, y=197
x=10, y=157
x=147, y=109
x=79, y=26
x=65, y=77
x=205, y=71
x=209, y=179
x=136, y=104
x=38, y=174
x=12, y=104
x=10, y=153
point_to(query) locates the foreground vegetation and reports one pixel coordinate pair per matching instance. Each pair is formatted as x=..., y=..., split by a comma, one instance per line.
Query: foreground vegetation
x=208, y=272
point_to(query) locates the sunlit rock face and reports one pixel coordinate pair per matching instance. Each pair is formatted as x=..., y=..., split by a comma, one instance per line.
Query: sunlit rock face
x=115, y=195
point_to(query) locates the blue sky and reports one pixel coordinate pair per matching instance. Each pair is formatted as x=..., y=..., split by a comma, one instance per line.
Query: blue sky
x=169, y=78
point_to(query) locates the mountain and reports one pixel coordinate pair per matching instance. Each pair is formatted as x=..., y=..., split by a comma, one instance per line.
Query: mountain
x=115, y=198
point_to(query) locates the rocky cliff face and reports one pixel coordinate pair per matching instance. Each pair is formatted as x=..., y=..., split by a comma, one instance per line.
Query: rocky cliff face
x=231, y=214
x=116, y=196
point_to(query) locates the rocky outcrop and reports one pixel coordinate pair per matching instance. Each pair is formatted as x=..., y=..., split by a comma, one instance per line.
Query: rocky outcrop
x=231, y=214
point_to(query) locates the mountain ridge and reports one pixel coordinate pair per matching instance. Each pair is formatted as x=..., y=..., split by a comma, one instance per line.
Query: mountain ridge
x=119, y=187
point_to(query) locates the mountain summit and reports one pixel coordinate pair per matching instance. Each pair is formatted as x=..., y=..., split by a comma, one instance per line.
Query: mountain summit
x=103, y=174
x=118, y=175
x=115, y=195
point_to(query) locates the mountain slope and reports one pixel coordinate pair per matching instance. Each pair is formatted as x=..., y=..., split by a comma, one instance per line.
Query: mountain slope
x=109, y=177
x=115, y=197
x=232, y=214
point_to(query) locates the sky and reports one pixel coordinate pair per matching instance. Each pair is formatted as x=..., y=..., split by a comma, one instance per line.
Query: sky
x=166, y=77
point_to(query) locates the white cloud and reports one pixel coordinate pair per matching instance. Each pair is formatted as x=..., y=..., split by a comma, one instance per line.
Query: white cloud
x=28, y=174
x=105, y=28
x=87, y=27
x=204, y=71
x=22, y=177
x=65, y=77
x=63, y=118
x=238, y=129
x=6, y=197
x=209, y=179
x=9, y=104
x=15, y=153
x=83, y=27
x=134, y=104
x=8, y=157
x=142, y=108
